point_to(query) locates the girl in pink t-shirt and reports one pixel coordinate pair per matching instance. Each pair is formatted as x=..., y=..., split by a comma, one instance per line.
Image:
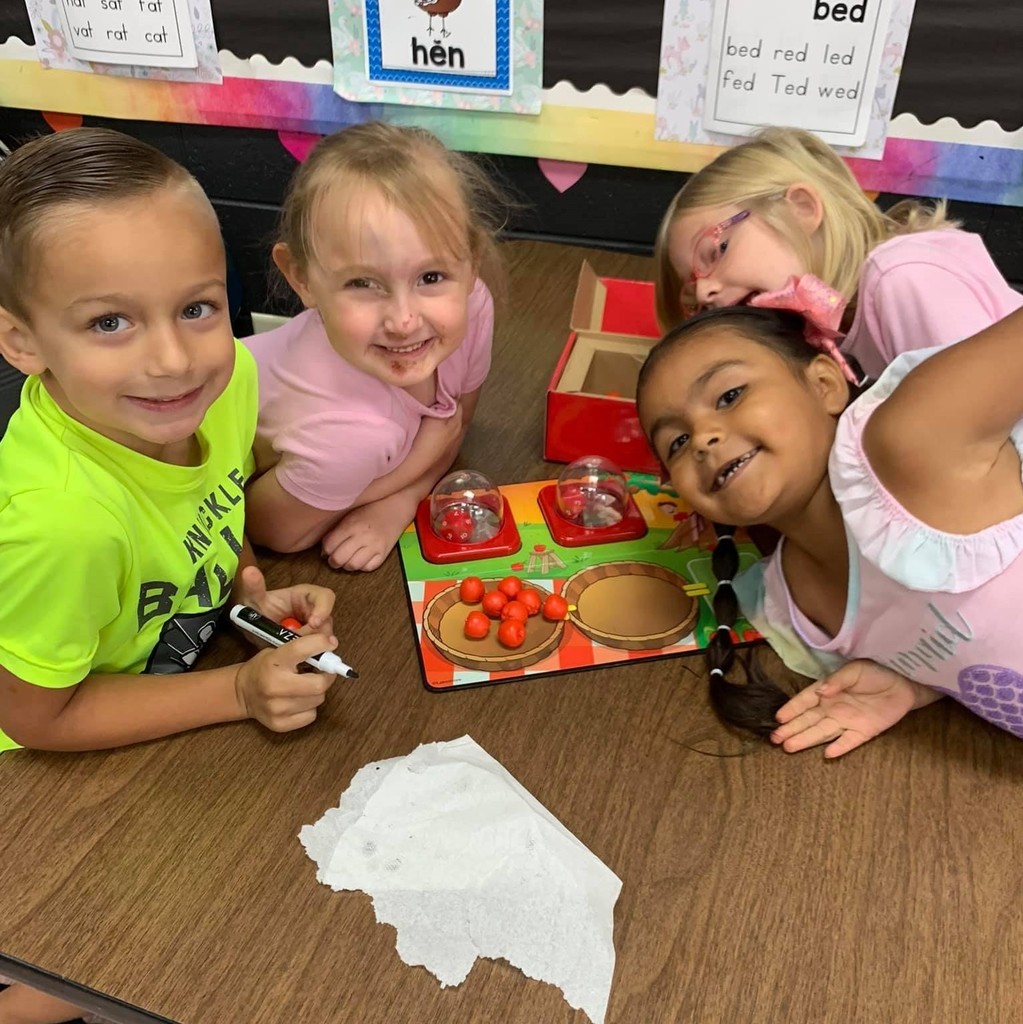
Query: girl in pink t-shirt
x=900, y=571
x=783, y=204
x=387, y=238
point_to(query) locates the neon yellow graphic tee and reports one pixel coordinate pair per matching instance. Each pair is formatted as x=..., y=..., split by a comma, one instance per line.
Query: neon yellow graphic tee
x=110, y=561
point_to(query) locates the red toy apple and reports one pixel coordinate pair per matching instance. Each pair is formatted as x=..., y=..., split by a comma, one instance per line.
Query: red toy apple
x=471, y=590
x=531, y=599
x=477, y=625
x=493, y=602
x=511, y=633
x=515, y=610
x=510, y=586
x=555, y=608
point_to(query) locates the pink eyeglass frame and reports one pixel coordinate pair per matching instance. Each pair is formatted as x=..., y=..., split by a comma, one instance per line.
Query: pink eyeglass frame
x=715, y=231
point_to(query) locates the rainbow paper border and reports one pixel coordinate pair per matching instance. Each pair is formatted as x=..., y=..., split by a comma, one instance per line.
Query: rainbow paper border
x=583, y=133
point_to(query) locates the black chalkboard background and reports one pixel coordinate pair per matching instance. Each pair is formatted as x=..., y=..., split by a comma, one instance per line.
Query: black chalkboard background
x=963, y=60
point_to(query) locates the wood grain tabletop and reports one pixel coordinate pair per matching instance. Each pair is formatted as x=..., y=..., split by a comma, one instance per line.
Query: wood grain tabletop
x=882, y=888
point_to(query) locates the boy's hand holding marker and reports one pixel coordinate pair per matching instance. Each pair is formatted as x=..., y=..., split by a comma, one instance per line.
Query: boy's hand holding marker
x=270, y=687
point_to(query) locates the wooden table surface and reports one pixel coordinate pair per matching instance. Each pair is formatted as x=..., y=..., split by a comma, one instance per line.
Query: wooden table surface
x=884, y=887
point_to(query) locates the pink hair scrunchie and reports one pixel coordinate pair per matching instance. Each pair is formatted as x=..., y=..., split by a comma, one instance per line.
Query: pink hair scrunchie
x=820, y=306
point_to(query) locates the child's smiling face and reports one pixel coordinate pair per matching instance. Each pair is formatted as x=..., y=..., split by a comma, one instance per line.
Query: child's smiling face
x=128, y=325
x=393, y=304
x=744, y=434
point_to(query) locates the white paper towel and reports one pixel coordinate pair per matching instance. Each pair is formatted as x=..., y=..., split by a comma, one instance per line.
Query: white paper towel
x=464, y=863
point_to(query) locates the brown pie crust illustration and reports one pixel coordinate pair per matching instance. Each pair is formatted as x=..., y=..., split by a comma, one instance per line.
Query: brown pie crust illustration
x=634, y=606
x=444, y=624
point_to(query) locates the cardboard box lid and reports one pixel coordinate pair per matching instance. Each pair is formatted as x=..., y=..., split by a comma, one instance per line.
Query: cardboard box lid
x=590, y=306
x=590, y=297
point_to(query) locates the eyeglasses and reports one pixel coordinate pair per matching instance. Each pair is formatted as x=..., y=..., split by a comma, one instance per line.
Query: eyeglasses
x=708, y=250
x=710, y=245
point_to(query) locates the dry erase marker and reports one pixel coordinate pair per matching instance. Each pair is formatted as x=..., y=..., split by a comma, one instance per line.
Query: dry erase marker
x=273, y=633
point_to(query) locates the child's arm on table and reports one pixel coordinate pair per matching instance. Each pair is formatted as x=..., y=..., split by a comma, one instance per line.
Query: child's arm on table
x=434, y=435
x=365, y=536
x=114, y=710
x=277, y=519
x=104, y=711
x=849, y=707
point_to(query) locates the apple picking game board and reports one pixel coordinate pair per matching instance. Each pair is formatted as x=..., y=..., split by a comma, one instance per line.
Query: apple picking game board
x=628, y=600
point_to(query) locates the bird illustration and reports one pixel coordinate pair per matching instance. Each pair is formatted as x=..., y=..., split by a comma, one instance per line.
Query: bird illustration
x=442, y=8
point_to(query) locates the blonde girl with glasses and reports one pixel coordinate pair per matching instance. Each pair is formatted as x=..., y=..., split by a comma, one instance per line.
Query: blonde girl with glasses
x=783, y=205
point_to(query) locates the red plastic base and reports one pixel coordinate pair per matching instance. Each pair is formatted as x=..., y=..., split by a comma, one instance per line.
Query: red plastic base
x=441, y=552
x=568, y=535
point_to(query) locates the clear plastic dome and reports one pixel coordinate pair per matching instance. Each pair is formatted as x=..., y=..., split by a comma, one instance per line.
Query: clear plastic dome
x=466, y=508
x=592, y=493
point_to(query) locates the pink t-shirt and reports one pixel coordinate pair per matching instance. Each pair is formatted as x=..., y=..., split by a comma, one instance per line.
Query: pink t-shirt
x=336, y=428
x=928, y=289
x=941, y=608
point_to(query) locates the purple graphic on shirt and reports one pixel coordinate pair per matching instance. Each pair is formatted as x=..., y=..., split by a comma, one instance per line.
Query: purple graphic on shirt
x=993, y=692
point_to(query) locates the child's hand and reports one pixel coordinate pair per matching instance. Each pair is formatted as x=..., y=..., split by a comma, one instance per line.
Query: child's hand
x=270, y=689
x=306, y=602
x=846, y=709
x=367, y=535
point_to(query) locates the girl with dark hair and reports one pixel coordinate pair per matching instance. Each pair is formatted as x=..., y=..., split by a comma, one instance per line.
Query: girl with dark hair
x=901, y=515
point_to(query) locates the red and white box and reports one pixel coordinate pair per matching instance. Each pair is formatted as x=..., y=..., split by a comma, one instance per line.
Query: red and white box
x=591, y=399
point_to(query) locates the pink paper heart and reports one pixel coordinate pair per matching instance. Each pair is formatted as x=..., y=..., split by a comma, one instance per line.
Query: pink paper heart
x=562, y=174
x=61, y=122
x=298, y=144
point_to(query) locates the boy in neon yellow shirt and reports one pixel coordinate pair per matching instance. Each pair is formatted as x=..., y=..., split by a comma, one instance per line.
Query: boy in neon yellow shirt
x=122, y=472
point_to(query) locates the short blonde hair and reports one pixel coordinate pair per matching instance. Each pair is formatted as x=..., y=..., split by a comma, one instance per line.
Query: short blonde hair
x=757, y=173
x=412, y=169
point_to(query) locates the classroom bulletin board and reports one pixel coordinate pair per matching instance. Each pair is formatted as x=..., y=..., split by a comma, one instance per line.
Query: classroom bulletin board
x=956, y=131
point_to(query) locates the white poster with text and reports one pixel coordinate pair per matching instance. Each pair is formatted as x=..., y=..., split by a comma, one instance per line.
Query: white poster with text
x=440, y=44
x=484, y=55
x=729, y=67
x=156, y=33
x=802, y=63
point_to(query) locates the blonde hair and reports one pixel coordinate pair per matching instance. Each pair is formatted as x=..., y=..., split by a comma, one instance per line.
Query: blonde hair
x=413, y=170
x=756, y=174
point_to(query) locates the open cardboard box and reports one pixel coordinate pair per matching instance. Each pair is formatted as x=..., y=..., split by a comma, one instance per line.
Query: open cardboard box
x=591, y=398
